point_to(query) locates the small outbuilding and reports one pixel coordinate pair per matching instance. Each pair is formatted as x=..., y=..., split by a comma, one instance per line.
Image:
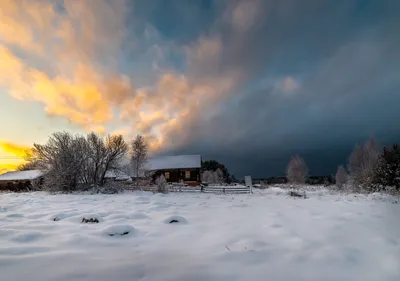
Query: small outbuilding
x=20, y=180
x=180, y=168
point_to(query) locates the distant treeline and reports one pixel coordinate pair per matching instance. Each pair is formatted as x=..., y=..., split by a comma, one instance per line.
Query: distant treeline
x=312, y=180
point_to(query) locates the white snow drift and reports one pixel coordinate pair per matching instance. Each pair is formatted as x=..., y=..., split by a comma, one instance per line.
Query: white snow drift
x=263, y=236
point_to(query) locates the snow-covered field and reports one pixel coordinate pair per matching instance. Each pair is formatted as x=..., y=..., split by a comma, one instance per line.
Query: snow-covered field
x=261, y=236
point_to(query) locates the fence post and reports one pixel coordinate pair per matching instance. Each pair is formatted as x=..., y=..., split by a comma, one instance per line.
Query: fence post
x=223, y=189
x=202, y=189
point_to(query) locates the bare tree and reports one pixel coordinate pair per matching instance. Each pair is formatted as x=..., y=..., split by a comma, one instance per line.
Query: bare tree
x=297, y=170
x=341, y=176
x=71, y=160
x=61, y=159
x=362, y=164
x=116, y=148
x=95, y=158
x=139, y=156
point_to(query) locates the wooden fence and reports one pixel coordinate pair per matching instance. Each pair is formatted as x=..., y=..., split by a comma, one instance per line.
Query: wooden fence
x=212, y=189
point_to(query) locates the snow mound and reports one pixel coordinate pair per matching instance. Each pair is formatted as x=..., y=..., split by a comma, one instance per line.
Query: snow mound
x=27, y=237
x=62, y=216
x=176, y=220
x=15, y=216
x=139, y=216
x=244, y=245
x=119, y=230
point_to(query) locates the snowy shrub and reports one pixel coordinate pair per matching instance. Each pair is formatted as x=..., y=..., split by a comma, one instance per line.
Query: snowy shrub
x=297, y=170
x=219, y=176
x=362, y=165
x=213, y=177
x=341, y=177
x=206, y=176
x=387, y=173
x=161, y=185
x=175, y=219
x=91, y=220
x=108, y=188
x=297, y=194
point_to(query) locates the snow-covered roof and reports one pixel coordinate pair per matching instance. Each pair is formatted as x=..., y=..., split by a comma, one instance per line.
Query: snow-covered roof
x=21, y=175
x=116, y=174
x=174, y=162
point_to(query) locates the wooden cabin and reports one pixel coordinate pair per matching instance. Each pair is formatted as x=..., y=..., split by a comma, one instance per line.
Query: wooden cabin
x=176, y=169
x=20, y=180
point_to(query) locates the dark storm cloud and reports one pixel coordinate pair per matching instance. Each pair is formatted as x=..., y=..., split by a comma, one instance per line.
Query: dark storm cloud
x=318, y=76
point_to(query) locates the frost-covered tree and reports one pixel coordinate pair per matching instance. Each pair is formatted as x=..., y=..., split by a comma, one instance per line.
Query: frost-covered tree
x=212, y=165
x=161, y=184
x=206, y=176
x=387, y=173
x=219, y=176
x=139, y=156
x=341, y=177
x=212, y=177
x=297, y=170
x=362, y=164
x=62, y=159
x=70, y=160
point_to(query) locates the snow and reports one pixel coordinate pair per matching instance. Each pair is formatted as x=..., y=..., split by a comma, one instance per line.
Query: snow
x=21, y=175
x=118, y=175
x=174, y=162
x=262, y=236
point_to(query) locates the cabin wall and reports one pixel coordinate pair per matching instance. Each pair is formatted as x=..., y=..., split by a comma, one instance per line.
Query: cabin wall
x=19, y=185
x=178, y=175
x=15, y=185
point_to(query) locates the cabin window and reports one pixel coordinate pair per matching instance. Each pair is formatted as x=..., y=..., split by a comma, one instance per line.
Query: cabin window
x=166, y=175
x=187, y=174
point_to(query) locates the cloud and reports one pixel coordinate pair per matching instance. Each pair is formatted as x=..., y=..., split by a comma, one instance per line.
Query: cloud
x=79, y=43
x=13, y=149
x=79, y=99
x=70, y=42
x=11, y=155
x=244, y=14
x=288, y=85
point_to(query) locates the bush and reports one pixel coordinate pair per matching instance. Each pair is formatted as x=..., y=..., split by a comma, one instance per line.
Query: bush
x=341, y=177
x=362, y=166
x=387, y=173
x=108, y=188
x=297, y=170
x=161, y=185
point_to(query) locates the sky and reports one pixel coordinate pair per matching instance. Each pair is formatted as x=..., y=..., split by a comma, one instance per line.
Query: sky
x=249, y=83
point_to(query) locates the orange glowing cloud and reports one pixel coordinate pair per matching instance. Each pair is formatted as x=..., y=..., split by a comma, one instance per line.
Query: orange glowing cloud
x=11, y=155
x=13, y=149
x=70, y=83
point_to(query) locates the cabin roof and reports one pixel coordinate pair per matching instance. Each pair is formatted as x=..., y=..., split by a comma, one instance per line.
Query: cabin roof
x=116, y=174
x=21, y=175
x=174, y=162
